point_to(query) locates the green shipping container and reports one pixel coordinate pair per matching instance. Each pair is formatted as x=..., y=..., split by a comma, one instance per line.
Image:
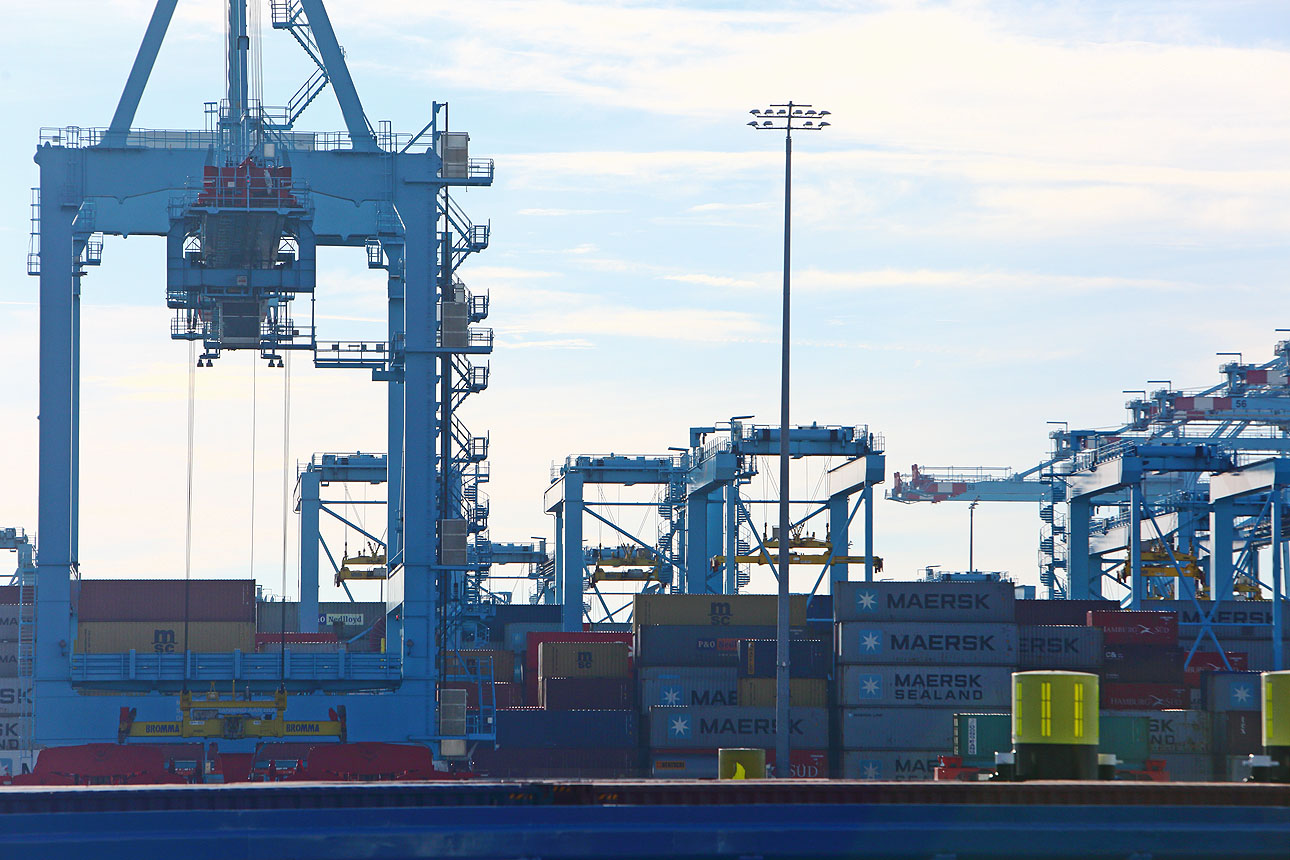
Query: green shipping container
x=1128, y=738
x=977, y=737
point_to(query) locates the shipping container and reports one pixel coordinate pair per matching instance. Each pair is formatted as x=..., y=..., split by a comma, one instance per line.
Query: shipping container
x=592, y=693
x=164, y=599
x=1060, y=612
x=8, y=622
x=966, y=687
x=1235, y=732
x=1230, y=691
x=533, y=642
x=1052, y=646
x=891, y=765
x=346, y=620
x=688, y=686
x=1129, y=627
x=1127, y=737
x=694, y=646
x=807, y=658
x=927, y=644
x=898, y=728
x=715, y=610
x=702, y=764
x=473, y=661
x=1189, y=767
x=583, y=660
x=555, y=763
x=1233, y=619
x=802, y=693
x=536, y=728
x=1142, y=664
x=924, y=601
x=1210, y=661
x=9, y=594
x=14, y=696
x=1178, y=731
x=1143, y=697
x=505, y=694
x=1262, y=653
x=163, y=637
x=720, y=727
x=8, y=659
x=977, y=737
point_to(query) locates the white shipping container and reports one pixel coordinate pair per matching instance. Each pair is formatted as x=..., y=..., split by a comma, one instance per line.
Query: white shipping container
x=971, y=688
x=927, y=644
x=891, y=765
x=899, y=728
x=924, y=601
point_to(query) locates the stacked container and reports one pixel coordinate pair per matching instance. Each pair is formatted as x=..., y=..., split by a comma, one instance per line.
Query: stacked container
x=689, y=662
x=157, y=615
x=13, y=694
x=585, y=676
x=911, y=655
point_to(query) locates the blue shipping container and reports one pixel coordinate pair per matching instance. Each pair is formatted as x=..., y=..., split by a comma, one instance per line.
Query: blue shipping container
x=715, y=728
x=927, y=644
x=687, y=686
x=1230, y=691
x=891, y=765
x=534, y=728
x=924, y=601
x=807, y=658
x=695, y=645
x=973, y=688
x=1052, y=646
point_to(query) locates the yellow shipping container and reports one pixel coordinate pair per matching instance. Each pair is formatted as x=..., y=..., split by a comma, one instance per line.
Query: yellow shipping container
x=802, y=692
x=163, y=637
x=583, y=660
x=715, y=610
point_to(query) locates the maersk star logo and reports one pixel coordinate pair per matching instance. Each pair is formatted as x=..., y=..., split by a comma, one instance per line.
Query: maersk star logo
x=870, y=769
x=871, y=641
x=870, y=687
x=672, y=695
x=1242, y=694
x=866, y=600
x=678, y=727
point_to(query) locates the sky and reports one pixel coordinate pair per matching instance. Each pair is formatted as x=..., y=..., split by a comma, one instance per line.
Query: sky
x=1021, y=210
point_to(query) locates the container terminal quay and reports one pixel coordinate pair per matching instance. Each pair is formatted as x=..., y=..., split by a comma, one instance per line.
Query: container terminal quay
x=638, y=696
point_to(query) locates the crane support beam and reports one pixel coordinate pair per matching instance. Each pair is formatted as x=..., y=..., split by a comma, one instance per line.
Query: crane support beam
x=360, y=133
x=140, y=72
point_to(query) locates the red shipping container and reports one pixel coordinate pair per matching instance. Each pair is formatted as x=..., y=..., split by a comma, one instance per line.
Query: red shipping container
x=166, y=599
x=508, y=694
x=1144, y=697
x=587, y=694
x=537, y=638
x=1119, y=628
x=1209, y=661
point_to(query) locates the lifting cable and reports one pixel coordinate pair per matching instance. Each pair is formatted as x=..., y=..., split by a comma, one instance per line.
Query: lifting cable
x=255, y=362
x=188, y=503
x=286, y=500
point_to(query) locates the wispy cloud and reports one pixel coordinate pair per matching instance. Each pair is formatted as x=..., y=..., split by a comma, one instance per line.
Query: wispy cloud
x=710, y=280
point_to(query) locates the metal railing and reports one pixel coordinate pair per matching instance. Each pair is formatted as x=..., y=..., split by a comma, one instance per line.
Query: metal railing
x=237, y=666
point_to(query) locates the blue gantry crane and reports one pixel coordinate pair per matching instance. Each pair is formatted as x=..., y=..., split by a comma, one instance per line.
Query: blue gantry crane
x=243, y=205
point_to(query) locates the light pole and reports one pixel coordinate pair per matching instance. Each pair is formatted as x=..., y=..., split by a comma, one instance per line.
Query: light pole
x=971, y=533
x=787, y=118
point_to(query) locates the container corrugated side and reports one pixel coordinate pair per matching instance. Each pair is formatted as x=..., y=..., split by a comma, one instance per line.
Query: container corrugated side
x=927, y=644
x=555, y=762
x=1235, y=732
x=802, y=692
x=1142, y=664
x=163, y=637
x=8, y=622
x=891, y=765
x=715, y=728
x=977, y=737
x=924, y=601
x=687, y=686
x=1230, y=691
x=534, y=728
x=687, y=645
x=1143, y=697
x=807, y=658
x=1189, y=767
x=1177, y=731
x=8, y=659
x=165, y=599
x=472, y=661
x=1052, y=646
x=533, y=640
x=967, y=687
x=14, y=696
x=714, y=610
x=1233, y=619
x=1126, y=736
x=1211, y=661
x=570, y=694
x=1060, y=612
x=1126, y=627
x=898, y=728
x=583, y=660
